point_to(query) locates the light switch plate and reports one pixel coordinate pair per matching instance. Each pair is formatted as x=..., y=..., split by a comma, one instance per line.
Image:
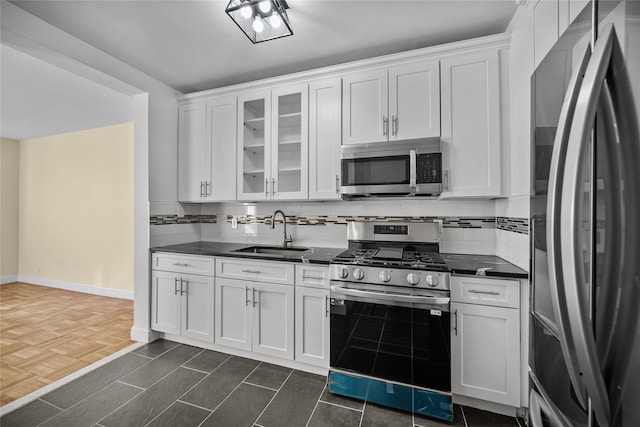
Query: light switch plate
x=234, y=222
x=180, y=211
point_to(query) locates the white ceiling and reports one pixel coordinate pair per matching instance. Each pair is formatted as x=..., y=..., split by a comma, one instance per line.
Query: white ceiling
x=39, y=99
x=193, y=45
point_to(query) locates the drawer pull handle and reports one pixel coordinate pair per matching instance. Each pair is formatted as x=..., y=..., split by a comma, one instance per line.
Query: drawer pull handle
x=175, y=286
x=254, y=296
x=181, y=264
x=475, y=291
x=326, y=306
x=252, y=271
x=246, y=296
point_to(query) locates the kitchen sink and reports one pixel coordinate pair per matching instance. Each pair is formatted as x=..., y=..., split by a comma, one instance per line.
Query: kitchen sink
x=272, y=250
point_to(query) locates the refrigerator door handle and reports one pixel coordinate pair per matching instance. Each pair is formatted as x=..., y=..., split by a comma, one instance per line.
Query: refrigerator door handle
x=550, y=408
x=578, y=303
x=619, y=299
x=537, y=407
x=554, y=213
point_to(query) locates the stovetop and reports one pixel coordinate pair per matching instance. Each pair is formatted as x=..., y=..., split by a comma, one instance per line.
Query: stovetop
x=411, y=256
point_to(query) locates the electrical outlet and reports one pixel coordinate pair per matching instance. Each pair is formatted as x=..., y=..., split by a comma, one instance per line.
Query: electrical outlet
x=180, y=211
x=234, y=222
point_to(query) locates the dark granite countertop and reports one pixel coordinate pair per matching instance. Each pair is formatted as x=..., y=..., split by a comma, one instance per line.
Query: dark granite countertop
x=313, y=255
x=490, y=265
x=493, y=266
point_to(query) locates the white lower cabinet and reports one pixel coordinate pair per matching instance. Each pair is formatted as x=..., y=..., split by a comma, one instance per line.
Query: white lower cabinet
x=182, y=304
x=312, y=326
x=485, y=344
x=255, y=316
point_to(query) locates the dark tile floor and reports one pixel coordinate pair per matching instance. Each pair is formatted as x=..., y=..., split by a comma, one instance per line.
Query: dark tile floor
x=174, y=385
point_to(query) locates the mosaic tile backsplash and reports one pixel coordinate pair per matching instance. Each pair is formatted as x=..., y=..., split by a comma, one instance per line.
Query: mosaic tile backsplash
x=516, y=225
x=186, y=219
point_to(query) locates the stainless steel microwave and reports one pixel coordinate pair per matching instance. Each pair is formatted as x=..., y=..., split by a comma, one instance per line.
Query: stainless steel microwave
x=408, y=168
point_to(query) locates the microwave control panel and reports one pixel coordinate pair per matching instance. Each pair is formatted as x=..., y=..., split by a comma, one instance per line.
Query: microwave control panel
x=429, y=168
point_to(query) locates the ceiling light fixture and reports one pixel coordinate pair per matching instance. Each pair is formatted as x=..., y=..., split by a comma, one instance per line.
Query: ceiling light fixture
x=260, y=20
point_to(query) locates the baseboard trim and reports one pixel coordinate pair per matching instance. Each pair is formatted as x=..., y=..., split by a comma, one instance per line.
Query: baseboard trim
x=77, y=287
x=143, y=335
x=8, y=279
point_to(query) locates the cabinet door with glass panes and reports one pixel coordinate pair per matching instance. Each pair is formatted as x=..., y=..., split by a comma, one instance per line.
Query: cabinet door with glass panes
x=289, y=142
x=254, y=136
x=273, y=144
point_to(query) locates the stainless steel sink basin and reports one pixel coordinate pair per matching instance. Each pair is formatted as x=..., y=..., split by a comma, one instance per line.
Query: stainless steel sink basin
x=272, y=250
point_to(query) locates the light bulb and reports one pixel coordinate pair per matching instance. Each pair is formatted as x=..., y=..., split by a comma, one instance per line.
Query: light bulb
x=275, y=20
x=246, y=12
x=258, y=26
x=265, y=6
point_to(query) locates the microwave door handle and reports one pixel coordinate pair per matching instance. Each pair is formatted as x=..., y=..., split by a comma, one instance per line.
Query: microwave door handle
x=412, y=171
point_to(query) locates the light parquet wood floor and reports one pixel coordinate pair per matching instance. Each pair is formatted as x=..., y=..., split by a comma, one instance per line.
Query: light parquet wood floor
x=48, y=333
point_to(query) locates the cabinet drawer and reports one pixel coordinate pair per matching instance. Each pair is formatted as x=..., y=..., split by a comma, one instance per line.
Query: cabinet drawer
x=256, y=271
x=183, y=263
x=485, y=291
x=312, y=276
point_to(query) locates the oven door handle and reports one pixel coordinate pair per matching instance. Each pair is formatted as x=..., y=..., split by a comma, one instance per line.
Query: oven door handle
x=392, y=297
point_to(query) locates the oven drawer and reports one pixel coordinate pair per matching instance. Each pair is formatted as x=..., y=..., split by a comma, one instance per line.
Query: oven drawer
x=312, y=276
x=255, y=271
x=485, y=291
x=183, y=263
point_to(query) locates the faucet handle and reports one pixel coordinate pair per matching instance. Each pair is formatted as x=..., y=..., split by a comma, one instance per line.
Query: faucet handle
x=287, y=240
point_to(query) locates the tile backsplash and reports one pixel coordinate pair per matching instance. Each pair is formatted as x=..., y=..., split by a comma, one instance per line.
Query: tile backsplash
x=477, y=227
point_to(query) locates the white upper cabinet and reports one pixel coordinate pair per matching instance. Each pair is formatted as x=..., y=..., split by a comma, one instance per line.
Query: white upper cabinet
x=545, y=28
x=325, y=138
x=193, y=160
x=273, y=144
x=470, y=111
x=395, y=103
x=365, y=106
x=414, y=100
x=221, y=141
x=207, y=150
x=254, y=145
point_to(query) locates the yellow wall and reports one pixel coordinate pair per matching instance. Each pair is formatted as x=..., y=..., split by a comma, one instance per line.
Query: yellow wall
x=76, y=207
x=9, y=160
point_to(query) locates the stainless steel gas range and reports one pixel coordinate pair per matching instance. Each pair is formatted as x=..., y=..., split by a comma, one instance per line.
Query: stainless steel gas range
x=390, y=318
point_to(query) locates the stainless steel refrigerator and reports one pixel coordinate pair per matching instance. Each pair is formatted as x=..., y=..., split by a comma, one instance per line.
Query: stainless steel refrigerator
x=585, y=223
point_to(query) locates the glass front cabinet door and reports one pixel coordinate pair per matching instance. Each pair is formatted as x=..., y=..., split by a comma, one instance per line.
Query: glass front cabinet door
x=273, y=144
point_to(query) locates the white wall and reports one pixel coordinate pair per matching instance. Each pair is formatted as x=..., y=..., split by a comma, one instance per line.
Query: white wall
x=156, y=126
x=76, y=210
x=9, y=181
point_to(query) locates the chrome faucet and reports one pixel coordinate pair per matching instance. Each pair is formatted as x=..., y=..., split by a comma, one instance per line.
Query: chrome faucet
x=285, y=240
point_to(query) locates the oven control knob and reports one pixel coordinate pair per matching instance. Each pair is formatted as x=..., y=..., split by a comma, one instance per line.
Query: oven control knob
x=413, y=279
x=358, y=274
x=385, y=276
x=343, y=272
x=432, y=280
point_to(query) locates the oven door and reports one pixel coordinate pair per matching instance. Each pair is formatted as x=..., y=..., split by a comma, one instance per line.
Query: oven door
x=390, y=333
